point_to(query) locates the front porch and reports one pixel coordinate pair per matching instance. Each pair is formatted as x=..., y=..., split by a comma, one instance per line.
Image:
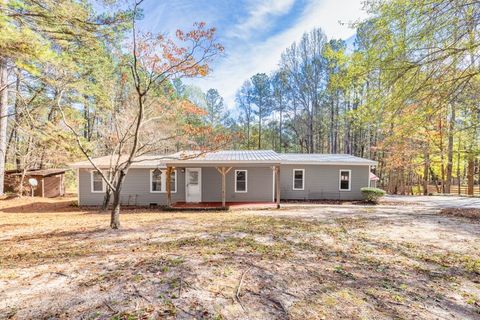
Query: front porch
x=215, y=185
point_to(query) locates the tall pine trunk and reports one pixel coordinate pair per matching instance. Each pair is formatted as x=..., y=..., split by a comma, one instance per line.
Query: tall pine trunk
x=248, y=134
x=470, y=174
x=259, y=131
x=426, y=169
x=451, y=130
x=310, y=133
x=442, y=156
x=459, y=181
x=280, y=130
x=3, y=118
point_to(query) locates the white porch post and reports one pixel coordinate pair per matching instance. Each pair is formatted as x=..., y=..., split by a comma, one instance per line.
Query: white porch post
x=223, y=171
x=277, y=185
x=274, y=181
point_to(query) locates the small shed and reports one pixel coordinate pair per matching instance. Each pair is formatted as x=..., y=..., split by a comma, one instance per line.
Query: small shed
x=51, y=182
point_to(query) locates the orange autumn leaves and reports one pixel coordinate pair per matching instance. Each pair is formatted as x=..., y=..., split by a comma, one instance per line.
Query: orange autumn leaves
x=186, y=55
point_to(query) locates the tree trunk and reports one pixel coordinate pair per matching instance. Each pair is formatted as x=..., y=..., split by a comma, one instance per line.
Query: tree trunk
x=280, y=130
x=259, y=131
x=13, y=138
x=459, y=183
x=442, y=156
x=115, y=215
x=332, y=123
x=106, y=199
x=3, y=119
x=426, y=169
x=470, y=174
x=310, y=133
x=451, y=130
x=248, y=134
x=479, y=178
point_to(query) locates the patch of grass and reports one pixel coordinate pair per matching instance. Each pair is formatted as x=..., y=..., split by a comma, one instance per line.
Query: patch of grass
x=335, y=304
x=44, y=252
x=471, y=298
x=343, y=272
x=219, y=244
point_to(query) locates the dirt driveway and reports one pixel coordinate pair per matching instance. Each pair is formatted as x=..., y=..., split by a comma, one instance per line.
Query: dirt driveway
x=447, y=201
x=302, y=262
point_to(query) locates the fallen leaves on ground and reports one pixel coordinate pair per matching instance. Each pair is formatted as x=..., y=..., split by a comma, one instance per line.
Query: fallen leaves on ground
x=58, y=261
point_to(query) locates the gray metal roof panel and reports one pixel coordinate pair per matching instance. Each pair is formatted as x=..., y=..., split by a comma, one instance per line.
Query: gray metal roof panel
x=325, y=158
x=228, y=155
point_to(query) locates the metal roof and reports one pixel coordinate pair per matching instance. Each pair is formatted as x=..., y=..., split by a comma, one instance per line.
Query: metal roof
x=322, y=158
x=151, y=161
x=38, y=172
x=230, y=156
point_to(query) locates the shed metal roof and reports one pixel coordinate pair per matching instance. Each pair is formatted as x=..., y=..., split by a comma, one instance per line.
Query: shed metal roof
x=38, y=172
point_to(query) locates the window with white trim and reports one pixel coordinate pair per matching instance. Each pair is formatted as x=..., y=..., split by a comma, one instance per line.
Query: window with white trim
x=298, y=179
x=345, y=180
x=240, y=180
x=98, y=185
x=158, y=181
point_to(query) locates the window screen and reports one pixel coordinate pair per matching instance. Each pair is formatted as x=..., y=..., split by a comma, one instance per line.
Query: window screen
x=97, y=183
x=159, y=181
x=241, y=181
x=344, y=180
x=298, y=179
x=173, y=183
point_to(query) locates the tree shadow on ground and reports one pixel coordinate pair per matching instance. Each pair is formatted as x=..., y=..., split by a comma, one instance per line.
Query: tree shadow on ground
x=66, y=205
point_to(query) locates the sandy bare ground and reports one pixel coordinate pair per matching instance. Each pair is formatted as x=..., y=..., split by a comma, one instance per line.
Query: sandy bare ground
x=301, y=262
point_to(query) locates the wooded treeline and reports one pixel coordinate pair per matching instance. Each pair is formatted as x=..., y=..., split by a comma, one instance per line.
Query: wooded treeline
x=80, y=84
x=405, y=94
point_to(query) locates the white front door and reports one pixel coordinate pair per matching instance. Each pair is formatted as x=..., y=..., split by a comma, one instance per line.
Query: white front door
x=193, y=185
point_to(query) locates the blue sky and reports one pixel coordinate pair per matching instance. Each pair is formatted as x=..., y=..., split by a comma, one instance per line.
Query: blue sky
x=254, y=33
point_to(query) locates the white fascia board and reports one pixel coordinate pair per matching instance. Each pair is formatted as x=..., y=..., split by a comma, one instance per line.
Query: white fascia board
x=212, y=162
x=345, y=163
x=133, y=166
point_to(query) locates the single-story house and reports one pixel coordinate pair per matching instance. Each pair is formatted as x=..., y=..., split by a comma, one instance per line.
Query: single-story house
x=230, y=176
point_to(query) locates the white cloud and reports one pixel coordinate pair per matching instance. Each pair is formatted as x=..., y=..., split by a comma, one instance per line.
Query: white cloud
x=260, y=15
x=245, y=58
